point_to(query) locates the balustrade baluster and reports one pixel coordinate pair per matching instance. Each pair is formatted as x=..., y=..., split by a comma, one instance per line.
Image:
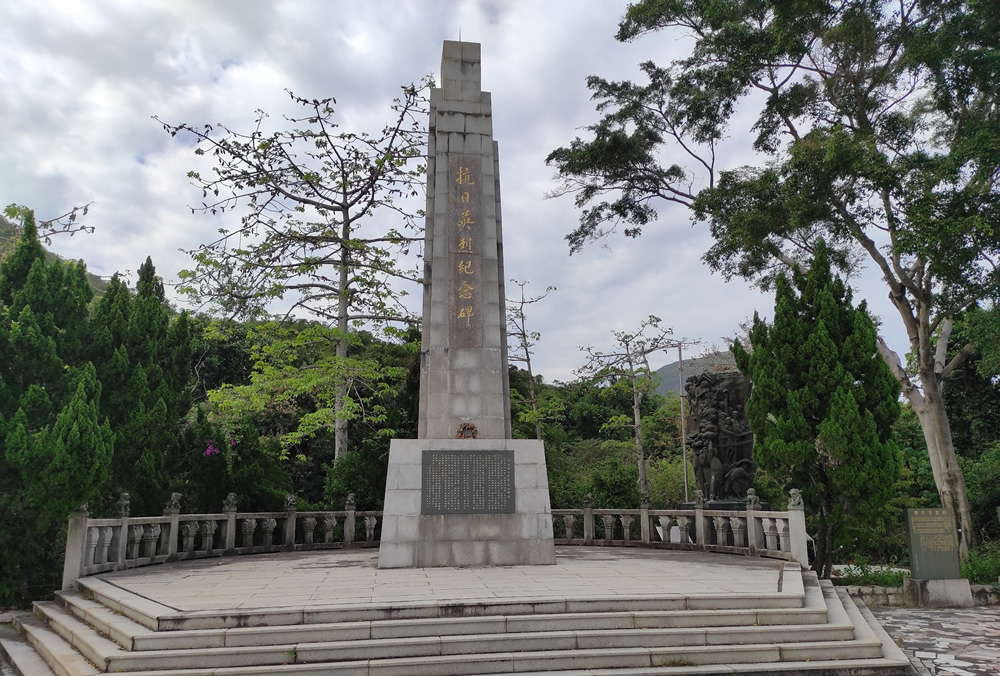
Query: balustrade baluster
x=770, y=533
x=329, y=523
x=103, y=544
x=93, y=555
x=626, y=521
x=208, y=529
x=134, y=538
x=609, y=526
x=568, y=520
x=370, y=523
x=308, y=526
x=268, y=526
x=188, y=531
x=721, y=523
x=739, y=526
x=248, y=526
x=150, y=536
x=782, y=525
x=684, y=526
x=666, y=523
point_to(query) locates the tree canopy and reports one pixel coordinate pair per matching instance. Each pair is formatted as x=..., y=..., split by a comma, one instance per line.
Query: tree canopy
x=307, y=237
x=823, y=402
x=877, y=129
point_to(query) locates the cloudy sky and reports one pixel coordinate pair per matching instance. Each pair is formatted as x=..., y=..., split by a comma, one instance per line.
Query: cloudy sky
x=80, y=80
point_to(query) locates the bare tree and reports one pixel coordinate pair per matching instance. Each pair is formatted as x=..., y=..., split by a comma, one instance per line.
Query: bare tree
x=630, y=360
x=523, y=341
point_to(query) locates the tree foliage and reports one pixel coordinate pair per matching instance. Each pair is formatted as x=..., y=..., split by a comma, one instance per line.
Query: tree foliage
x=878, y=131
x=823, y=402
x=315, y=235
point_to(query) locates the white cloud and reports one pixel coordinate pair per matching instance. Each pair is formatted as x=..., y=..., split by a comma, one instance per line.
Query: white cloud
x=79, y=83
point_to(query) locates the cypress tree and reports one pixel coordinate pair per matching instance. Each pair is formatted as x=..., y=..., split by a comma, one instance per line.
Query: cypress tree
x=823, y=402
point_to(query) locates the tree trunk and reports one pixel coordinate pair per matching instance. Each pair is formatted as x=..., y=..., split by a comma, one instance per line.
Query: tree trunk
x=531, y=391
x=948, y=476
x=637, y=423
x=343, y=310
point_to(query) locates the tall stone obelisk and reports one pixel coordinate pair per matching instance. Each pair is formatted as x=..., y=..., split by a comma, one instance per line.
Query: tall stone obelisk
x=464, y=493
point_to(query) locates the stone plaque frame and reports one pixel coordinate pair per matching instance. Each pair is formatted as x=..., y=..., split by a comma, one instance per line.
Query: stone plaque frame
x=467, y=482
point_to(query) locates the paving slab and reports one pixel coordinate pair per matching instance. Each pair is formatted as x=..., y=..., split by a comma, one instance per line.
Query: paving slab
x=305, y=579
x=946, y=642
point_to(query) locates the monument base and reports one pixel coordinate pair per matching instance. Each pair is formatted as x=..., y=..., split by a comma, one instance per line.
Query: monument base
x=949, y=593
x=413, y=538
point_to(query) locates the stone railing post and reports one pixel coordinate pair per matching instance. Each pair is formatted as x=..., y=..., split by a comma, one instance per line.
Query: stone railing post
x=229, y=534
x=76, y=547
x=644, y=525
x=291, y=509
x=171, y=530
x=349, y=521
x=753, y=533
x=797, y=528
x=588, y=519
x=700, y=529
x=123, y=532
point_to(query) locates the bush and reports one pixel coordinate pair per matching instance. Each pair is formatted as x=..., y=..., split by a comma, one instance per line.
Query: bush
x=983, y=565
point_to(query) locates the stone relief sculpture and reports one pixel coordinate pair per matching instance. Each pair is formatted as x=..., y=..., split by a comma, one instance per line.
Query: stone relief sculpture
x=722, y=441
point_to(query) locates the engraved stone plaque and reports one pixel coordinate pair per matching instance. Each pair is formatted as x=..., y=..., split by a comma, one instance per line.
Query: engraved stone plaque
x=933, y=544
x=467, y=482
x=465, y=254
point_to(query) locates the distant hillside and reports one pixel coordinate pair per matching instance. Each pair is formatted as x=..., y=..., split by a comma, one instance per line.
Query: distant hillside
x=714, y=361
x=8, y=237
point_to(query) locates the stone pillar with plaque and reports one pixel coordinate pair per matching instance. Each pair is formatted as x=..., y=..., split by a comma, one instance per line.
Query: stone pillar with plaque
x=464, y=492
x=935, y=574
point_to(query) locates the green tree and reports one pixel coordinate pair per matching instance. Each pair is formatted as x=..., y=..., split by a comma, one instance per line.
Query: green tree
x=143, y=361
x=55, y=446
x=823, y=402
x=308, y=238
x=878, y=130
x=628, y=365
x=521, y=341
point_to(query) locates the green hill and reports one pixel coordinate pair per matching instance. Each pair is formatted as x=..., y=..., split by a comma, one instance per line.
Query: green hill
x=8, y=237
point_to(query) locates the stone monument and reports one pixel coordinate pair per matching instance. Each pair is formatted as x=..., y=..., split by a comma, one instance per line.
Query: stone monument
x=464, y=493
x=935, y=574
x=720, y=436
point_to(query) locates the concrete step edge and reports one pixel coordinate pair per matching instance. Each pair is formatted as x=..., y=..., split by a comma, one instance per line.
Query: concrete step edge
x=890, y=650
x=61, y=657
x=415, y=647
x=255, y=617
x=119, y=628
x=133, y=606
x=84, y=638
x=23, y=659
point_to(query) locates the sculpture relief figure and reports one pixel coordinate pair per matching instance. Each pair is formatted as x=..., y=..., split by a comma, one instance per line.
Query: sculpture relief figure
x=722, y=441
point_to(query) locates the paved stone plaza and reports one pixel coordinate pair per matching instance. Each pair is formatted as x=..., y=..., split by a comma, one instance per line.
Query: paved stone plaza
x=946, y=642
x=352, y=577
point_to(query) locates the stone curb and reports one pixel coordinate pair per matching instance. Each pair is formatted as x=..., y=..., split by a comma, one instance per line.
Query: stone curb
x=892, y=597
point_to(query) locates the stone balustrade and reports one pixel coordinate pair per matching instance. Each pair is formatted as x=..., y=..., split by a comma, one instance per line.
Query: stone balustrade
x=753, y=532
x=100, y=545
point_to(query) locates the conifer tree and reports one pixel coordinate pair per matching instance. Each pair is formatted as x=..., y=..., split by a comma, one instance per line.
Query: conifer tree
x=823, y=402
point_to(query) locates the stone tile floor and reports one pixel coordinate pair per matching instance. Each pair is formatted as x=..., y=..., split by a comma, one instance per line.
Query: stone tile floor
x=946, y=642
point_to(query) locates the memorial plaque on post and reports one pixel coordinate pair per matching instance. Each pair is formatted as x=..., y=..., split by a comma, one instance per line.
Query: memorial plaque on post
x=933, y=544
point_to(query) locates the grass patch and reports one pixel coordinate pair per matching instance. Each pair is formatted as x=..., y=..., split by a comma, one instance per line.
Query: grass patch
x=864, y=574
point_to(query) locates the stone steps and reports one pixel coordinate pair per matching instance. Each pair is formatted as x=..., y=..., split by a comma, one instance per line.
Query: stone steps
x=119, y=632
